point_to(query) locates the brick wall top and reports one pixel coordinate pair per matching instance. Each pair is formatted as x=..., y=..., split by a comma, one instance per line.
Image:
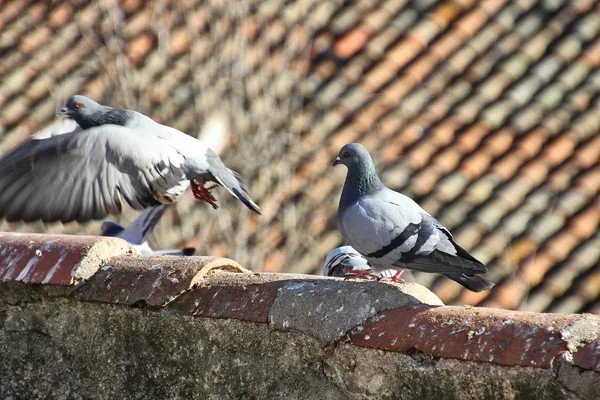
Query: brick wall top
x=377, y=315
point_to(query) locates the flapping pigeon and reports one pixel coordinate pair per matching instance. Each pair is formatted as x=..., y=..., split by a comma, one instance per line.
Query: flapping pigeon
x=112, y=155
x=137, y=233
x=390, y=229
x=346, y=262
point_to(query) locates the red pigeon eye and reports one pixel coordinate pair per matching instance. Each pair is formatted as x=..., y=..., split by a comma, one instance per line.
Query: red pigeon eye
x=346, y=154
x=78, y=105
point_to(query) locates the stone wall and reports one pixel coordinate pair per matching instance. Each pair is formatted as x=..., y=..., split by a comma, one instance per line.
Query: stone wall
x=85, y=317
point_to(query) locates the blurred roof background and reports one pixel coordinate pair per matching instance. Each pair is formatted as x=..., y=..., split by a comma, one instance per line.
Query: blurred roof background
x=485, y=112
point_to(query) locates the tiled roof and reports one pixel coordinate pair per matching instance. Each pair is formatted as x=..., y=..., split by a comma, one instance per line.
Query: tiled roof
x=485, y=112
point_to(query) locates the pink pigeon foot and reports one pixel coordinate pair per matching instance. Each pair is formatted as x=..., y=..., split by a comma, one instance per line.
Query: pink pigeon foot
x=203, y=194
x=355, y=274
x=396, y=278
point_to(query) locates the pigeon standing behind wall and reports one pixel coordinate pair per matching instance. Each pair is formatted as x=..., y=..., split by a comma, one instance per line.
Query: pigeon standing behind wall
x=390, y=229
x=112, y=155
x=140, y=229
x=346, y=262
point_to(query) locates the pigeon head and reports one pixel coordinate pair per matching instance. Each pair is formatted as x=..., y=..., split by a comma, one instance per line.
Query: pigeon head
x=87, y=113
x=80, y=109
x=362, y=178
x=353, y=154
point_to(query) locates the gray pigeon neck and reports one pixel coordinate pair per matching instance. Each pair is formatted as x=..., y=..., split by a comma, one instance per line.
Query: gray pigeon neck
x=361, y=181
x=102, y=117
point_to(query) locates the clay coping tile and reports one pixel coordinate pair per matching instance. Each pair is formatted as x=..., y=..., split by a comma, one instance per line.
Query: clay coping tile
x=250, y=303
x=54, y=259
x=480, y=334
x=153, y=280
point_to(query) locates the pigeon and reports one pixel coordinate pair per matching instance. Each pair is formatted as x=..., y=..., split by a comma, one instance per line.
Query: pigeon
x=390, y=230
x=346, y=262
x=112, y=155
x=137, y=233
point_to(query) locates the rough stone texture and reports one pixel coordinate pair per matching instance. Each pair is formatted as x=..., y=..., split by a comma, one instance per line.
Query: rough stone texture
x=581, y=384
x=63, y=348
x=66, y=349
x=364, y=373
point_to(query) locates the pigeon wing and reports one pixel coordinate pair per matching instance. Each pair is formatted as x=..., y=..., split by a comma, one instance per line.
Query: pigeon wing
x=391, y=229
x=372, y=223
x=84, y=175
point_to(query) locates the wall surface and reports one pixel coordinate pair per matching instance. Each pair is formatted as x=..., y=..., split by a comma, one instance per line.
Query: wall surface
x=133, y=327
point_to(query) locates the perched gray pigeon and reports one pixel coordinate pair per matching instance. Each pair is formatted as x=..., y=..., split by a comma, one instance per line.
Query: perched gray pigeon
x=137, y=233
x=390, y=229
x=112, y=155
x=346, y=262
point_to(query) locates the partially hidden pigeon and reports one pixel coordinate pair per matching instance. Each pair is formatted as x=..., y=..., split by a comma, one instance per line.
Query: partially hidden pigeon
x=112, y=155
x=390, y=229
x=346, y=262
x=139, y=230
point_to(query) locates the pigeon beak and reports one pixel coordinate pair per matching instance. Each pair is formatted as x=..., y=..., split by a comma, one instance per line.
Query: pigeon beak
x=62, y=111
x=336, y=162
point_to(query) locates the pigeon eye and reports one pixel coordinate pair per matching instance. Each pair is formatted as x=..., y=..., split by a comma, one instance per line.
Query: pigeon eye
x=346, y=154
x=78, y=105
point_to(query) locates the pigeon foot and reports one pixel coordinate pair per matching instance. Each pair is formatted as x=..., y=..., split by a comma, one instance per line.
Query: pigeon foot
x=203, y=194
x=396, y=278
x=353, y=274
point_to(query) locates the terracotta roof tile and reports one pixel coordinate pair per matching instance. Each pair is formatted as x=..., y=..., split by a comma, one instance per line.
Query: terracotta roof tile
x=405, y=51
x=352, y=42
x=507, y=166
x=452, y=186
x=140, y=22
x=589, y=155
x=472, y=22
x=536, y=172
x=480, y=190
x=139, y=48
x=476, y=165
x=509, y=295
x=560, y=149
x=586, y=223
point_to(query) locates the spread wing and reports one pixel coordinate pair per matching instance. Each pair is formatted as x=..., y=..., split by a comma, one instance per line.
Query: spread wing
x=85, y=174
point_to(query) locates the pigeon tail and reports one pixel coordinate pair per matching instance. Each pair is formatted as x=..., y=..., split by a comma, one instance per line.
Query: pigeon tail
x=234, y=183
x=442, y=263
x=186, y=251
x=140, y=229
x=111, y=229
x=476, y=283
